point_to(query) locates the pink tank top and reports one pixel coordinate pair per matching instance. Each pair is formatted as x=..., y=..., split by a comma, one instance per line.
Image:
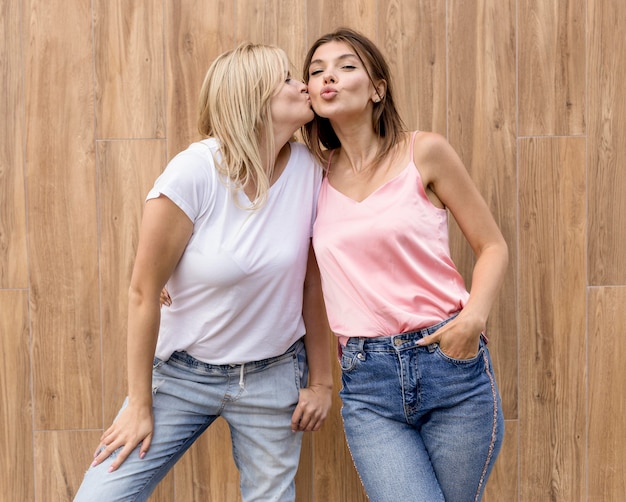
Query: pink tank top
x=385, y=261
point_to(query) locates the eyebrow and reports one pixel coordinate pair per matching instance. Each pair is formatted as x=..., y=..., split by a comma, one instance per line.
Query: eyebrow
x=343, y=56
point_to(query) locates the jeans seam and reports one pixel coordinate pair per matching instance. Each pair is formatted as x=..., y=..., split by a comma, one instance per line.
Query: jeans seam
x=493, y=428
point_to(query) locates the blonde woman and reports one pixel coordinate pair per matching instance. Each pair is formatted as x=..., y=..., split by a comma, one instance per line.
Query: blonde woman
x=228, y=227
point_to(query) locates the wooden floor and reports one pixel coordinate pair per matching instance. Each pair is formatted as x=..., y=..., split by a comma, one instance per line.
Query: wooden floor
x=97, y=95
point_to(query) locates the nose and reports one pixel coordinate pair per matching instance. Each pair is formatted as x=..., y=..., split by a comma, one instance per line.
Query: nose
x=329, y=78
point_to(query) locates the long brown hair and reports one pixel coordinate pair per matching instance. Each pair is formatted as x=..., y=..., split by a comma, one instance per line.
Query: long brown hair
x=319, y=134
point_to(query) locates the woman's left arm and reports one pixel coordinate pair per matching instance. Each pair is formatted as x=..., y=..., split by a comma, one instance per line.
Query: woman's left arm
x=315, y=399
x=449, y=180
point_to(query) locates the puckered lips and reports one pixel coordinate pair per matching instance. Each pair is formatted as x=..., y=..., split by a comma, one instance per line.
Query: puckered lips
x=328, y=92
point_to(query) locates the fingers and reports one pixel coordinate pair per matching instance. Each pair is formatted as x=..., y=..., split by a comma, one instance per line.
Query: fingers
x=165, y=298
x=428, y=340
x=312, y=409
x=306, y=422
x=121, y=442
x=105, y=451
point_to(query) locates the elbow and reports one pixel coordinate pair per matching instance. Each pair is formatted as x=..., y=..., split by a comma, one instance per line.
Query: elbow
x=505, y=254
x=138, y=297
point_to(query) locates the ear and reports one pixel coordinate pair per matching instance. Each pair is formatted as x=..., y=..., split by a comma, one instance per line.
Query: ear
x=378, y=93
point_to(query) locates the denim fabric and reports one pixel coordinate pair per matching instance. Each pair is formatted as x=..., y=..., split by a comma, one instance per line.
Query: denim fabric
x=188, y=395
x=420, y=425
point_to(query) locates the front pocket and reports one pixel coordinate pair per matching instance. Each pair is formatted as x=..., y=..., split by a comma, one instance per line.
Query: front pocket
x=349, y=359
x=470, y=361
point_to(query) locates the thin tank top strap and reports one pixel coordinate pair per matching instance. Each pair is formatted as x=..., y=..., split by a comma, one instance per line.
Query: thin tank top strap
x=330, y=157
x=412, y=143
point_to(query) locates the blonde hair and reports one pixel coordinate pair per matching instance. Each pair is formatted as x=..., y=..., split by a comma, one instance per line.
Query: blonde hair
x=234, y=107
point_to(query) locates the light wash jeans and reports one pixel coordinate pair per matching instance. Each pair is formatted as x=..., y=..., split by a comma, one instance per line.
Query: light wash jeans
x=188, y=395
x=421, y=426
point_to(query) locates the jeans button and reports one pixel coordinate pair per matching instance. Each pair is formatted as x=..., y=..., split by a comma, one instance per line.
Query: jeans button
x=360, y=356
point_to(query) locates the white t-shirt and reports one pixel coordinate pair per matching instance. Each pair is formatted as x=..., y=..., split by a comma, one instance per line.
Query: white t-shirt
x=237, y=290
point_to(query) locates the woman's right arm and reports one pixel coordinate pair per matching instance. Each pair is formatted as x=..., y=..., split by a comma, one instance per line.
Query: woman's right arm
x=164, y=234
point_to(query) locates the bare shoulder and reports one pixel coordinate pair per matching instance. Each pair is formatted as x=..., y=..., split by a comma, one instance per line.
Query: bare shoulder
x=431, y=146
x=435, y=159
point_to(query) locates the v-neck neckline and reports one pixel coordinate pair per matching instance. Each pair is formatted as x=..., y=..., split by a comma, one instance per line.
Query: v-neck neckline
x=399, y=174
x=277, y=182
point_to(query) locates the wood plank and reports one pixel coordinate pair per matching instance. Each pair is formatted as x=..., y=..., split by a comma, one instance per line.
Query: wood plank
x=274, y=22
x=552, y=319
x=551, y=67
x=126, y=172
x=129, y=65
x=16, y=424
x=194, y=36
x=606, y=142
x=335, y=477
x=61, y=459
x=413, y=38
x=62, y=238
x=482, y=129
x=13, y=258
x=607, y=406
x=305, y=484
x=207, y=471
x=325, y=16
x=503, y=484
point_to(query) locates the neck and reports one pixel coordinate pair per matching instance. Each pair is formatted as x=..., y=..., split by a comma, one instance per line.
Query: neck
x=270, y=159
x=359, y=145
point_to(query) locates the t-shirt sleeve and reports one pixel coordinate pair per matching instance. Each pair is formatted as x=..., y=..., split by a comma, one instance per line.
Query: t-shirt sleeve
x=187, y=182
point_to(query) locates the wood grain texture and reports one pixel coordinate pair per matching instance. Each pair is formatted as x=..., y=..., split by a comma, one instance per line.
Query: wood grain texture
x=66, y=72
x=325, y=16
x=482, y=115
x=305, y=486
x=412, y=36
x=196, y=32
x=13, y=258
x=207, y=471
x=504, y=480
x=607, y=406
x=335, y=477
x=553, y=299
x=551, y=67
x=606, y=149
x=61, y=459
x=16, y=431
x=274, y=22
x=126, y=172
x=130, y=77
x=62, y=236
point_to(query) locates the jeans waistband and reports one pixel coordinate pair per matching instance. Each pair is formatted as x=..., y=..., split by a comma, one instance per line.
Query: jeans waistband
x=187, y=360
x=394, y=342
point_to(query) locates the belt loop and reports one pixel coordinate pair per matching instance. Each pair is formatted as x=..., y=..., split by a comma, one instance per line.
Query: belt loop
x=241, y=383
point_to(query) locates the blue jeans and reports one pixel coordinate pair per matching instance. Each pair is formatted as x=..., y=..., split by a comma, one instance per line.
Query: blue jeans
x=256, y=401
x=421, y=426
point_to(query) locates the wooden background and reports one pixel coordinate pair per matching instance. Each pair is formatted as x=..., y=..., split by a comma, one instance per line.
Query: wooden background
x=97, y=95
